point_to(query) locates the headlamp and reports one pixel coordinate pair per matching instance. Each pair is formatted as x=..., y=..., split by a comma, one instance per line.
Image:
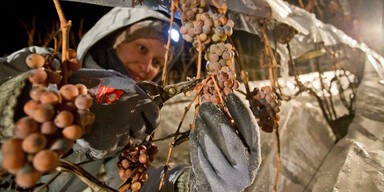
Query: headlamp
x=175, y=35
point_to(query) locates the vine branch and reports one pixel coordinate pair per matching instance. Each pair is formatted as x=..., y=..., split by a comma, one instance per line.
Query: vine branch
x=65, y=27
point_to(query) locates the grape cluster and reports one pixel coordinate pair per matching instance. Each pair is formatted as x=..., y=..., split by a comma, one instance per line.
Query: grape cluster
x=198, y=23
x=54, y=119
x=220, y=58
x=212, y=29
x=133, y=162
x=265, y=106
x=283, y=33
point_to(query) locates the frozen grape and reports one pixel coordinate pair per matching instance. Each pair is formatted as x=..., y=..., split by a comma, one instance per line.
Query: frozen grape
x=48, y=128
x=73, y=132
x=43, y=113
x=71, y=53
x=27, y=177
x=68, y=106
x=49, y=97
x=203, y=37
x=30, y=106
x=206, y=29
x=54, y=77
x=13, y=160
x=69, y=92
x=83, y=90
x=39, y=76
x=230, y=23
x=83, y=101
x=84, y=117
x=215, y=38
x=45, y=160
x=74, y=64
x=34, y=60
x=34, y=143
x=36, y=92
x=25, y=126
x=63, y=119
x=212, y=57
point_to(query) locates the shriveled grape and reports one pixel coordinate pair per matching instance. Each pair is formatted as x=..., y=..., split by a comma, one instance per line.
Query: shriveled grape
x=27, y=177
x=36, y=92
x=43, y=113
x=63, y=119
x=45, y=160
x=48, y=128
x=30, y=106
x=73, y=132
x=49, y=97
x=25, y=126
x=69, y=92
x=34, y=143
x=83, y=101
x=34, y=60
x=39, y=76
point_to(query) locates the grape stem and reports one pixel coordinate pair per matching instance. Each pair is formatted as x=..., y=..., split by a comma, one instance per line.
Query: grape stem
x=84, y=176
x=269, y=52
x=186, y=109
x=242, y=72
x=278, y=163
x=218, y=90
x=164, y=75
x=65, y=27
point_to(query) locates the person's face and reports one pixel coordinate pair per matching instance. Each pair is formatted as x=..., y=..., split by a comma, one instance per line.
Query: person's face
x=143, y=58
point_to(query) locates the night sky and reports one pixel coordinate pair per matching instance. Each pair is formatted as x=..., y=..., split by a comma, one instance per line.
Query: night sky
x=17, y=14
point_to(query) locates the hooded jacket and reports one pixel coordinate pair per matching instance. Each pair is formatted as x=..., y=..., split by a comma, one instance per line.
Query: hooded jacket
x=117, y=18
x=14, y=65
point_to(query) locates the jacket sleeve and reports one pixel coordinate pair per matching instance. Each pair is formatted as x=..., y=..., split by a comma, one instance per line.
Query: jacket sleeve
x=14, y=64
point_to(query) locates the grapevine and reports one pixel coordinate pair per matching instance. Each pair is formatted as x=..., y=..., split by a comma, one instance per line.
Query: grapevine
x=56, y=114
x=55, y=117
x=132, y=164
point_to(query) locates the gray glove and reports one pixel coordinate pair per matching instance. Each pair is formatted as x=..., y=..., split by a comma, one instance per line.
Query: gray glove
x=221, y=160
x=122, y=111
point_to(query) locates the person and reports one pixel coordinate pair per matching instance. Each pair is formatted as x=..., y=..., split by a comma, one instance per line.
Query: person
x=127, y=46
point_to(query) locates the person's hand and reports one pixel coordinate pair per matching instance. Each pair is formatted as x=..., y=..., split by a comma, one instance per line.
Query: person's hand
x=123, y=111
x=221, y=160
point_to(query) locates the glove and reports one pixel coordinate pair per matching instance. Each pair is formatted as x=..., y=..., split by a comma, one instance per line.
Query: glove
x=121, y=108
x=221, y=159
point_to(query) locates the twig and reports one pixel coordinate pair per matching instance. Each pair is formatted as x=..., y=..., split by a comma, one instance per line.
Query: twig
x=278, y=163
x=218, y=90
x=80, y=33
x=301, y=4
x=84, y=176
x=186, y=66
x=242, y=92
x=65, y=27
x=199, y=58
x=318, y=9
x=45, y=185
x=291, y=62
x=327, y=106
x=197, y=105
x=269, y=52
x=241, y=64
x=183, y=137
x=164, y=75
x=186, y=109
x=169, y=136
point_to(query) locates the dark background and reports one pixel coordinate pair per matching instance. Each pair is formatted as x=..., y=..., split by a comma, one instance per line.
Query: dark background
x=16, y=20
